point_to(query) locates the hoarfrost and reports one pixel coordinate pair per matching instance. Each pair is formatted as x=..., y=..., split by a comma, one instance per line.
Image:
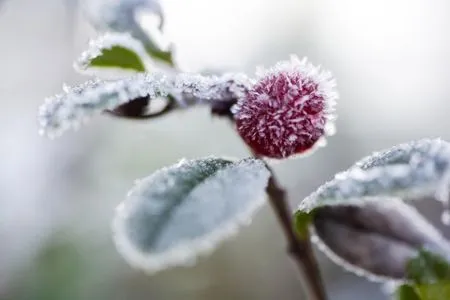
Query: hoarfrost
x=107, y=42
x=122, y=16
x=185, y=210
x=408, y=171
x=379, y=232
x=289, y=110
x=78, y=104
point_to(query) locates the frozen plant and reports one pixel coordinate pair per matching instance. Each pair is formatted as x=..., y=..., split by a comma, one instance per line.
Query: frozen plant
x=361, y=218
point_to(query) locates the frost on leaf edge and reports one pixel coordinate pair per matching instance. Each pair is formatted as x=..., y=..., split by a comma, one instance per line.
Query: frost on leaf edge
x=107, y=42
x=309, y=203
x=186, y=253
x=439, y=150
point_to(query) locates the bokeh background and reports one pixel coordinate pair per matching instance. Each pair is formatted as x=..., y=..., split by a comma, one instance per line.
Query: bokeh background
x=57, y=198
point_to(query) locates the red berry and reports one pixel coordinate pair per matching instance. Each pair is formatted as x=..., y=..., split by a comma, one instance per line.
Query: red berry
x=287, y=110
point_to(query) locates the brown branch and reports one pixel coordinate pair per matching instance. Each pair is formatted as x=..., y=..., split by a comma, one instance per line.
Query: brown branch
x=299, y=249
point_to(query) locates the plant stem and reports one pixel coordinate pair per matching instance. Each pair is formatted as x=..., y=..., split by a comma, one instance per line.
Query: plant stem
x=299, y=249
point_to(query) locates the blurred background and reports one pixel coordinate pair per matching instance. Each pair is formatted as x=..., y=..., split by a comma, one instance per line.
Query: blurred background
x=392, y=63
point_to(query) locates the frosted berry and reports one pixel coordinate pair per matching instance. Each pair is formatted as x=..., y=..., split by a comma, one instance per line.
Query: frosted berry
x=288, y=110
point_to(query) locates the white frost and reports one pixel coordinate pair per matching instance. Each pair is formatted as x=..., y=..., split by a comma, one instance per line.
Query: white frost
x=77, y=104
x=188, y=224
x=122, y=16
x=326, y=83
x=408, y=171
x=414, y=171
x=106, y=42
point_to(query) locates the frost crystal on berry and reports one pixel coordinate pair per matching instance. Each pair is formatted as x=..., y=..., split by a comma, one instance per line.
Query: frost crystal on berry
x=288, y=110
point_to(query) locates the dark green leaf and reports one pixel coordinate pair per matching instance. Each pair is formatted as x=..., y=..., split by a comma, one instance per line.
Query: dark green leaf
x=428, y=268
x=162, y=56
x=435, y=291
x=301, y=223
x=406, y=292
x=430, y=275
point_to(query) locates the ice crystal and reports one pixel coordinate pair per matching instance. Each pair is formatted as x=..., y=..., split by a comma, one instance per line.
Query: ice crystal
x=185, y=210
x=121, y=15
x=413, y=170
x=288, y=110
x=106, y=42
x=359, y=220
x=194, y=88
x=77, y=104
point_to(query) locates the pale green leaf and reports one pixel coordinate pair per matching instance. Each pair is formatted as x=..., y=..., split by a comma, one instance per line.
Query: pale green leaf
x=185, y=210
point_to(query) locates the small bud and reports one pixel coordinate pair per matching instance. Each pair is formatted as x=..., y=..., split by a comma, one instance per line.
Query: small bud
x=288, y=110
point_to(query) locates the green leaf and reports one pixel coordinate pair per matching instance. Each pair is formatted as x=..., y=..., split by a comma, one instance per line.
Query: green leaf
x=406, y=292
x=428, y=268
x=160, y=55
x=118, y=57
x=114, y=51
x=185, y=210
x=435, y=291
x=77, y=104
x=301, y=223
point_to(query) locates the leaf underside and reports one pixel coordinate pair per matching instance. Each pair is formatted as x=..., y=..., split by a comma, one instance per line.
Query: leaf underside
x=359, y=219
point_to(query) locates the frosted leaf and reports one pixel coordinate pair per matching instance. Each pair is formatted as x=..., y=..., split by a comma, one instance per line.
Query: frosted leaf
x=359, y=220
x=376, y=239
x=113, y=50
x=127, y=16
x=77, y=104
x=121, y=15
x=194, y=88
x=185, y=210
x=413, y=171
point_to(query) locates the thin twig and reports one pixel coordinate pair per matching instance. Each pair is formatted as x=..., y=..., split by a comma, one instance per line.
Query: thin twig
x=299, y=249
